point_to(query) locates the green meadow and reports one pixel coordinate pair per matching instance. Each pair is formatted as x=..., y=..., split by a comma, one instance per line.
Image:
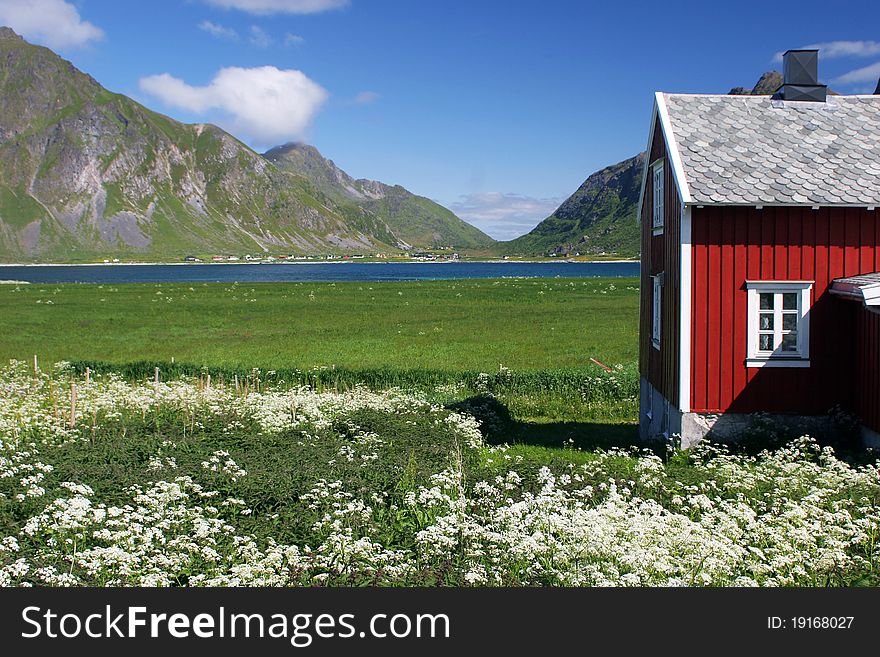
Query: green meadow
x=522, y=324
x=518, y=350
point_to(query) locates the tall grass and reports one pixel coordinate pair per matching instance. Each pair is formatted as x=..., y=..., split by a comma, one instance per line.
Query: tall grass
x=576, y=385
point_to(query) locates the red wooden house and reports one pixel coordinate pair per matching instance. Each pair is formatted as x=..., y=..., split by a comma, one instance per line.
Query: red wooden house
x=760, y=260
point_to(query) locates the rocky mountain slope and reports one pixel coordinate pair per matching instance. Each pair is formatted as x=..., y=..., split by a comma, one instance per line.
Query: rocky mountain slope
x=600, y=217
x=415, y=219
x=766, y=85
x=86, y=173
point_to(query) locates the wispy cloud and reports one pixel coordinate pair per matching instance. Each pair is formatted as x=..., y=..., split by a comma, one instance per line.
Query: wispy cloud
x=366, y=98
x=265, y=105
x=504, y=216
x=218, y=31
x=259, y=37
x=266, y=7
x=837, y=49
x=868, y=73
x=54, y=23
x=293, y=39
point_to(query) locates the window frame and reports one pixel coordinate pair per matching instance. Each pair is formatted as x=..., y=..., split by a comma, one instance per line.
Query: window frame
x=656, y=310
x=658, y=192
x=776, y=358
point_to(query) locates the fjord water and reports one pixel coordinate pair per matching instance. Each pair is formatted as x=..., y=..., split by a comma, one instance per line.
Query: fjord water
x=349, y=271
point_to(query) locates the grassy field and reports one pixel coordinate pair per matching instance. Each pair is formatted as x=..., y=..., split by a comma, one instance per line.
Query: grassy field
x=516, y=351
x=435, y=325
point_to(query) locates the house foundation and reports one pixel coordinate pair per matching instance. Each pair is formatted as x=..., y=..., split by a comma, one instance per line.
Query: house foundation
x=660, y=419
x=663, y=421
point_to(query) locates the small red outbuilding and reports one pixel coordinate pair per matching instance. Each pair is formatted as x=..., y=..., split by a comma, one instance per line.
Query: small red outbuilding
x=760, y=260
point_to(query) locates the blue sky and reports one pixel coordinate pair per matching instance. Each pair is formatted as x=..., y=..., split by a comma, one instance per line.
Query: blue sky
x=496, y=109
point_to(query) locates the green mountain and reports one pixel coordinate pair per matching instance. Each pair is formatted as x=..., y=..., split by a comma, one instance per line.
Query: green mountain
x=86, y=173
x=600, y=217
x=415, y=219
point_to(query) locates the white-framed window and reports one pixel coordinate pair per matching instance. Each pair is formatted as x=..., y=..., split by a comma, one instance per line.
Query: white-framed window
x=657, y=180
x=656, y=309
x=779, y=323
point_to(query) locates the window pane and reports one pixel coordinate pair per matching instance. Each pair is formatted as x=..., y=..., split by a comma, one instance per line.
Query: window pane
x=789, y=322
x=766, y=300
x=765, y=342
x=765, y=322
x=789, y=342
x=789, y=301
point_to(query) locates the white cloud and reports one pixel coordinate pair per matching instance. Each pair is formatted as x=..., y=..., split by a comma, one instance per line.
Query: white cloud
x=266, y=7
x=836, y=49
x=260, y=38
x=504, y=216
x=293, y=39
x=865, y=74
x=54, y=23
x=219, y=31
x=265, y=105
x=366, y=98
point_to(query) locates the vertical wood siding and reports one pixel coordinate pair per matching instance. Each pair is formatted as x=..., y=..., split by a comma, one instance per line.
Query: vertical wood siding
x=868, y=369
x=733, y=244
x=661, y=253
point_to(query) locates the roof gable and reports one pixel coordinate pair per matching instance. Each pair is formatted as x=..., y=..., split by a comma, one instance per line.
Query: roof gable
x=660, y=116
x=753, y=150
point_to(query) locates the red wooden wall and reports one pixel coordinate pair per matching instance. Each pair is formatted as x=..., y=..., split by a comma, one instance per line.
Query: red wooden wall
x=733, y=244
x=867, y=401
x=661, y=253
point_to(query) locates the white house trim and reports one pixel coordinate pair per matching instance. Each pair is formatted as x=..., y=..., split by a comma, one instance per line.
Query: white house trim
x=658, y=200
x=681, y=185
x=685, y=291
x=800, y=358
x=777, y=362
x=656, y=310
x=781, y=285
x=684, y=191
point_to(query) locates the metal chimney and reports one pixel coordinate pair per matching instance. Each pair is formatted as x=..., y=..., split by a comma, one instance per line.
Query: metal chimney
x=801, y=77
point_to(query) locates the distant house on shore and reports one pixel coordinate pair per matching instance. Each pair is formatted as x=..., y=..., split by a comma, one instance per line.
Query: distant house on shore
x=761, y=260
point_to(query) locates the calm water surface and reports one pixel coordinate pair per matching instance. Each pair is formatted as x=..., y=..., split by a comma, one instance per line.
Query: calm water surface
x=271, y=273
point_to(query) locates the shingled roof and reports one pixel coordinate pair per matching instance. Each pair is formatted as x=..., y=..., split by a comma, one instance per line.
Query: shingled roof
x=865, y=287
x=755, y=150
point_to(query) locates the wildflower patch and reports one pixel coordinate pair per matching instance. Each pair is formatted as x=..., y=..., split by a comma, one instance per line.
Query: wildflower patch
x=178, y=483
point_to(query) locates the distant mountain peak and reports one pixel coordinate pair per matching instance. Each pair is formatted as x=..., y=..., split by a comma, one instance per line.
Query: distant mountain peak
x=416, y=220
x=9, y=33
x=766, y=85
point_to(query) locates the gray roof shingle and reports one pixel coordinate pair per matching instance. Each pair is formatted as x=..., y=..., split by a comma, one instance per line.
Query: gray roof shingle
x=865, y=287
x=752, y=150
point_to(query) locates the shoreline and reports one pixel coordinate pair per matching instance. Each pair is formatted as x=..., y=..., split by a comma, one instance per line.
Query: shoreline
x=320, y=262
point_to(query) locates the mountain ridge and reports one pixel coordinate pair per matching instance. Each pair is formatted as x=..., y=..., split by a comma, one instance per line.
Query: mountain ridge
x=86, y=173
x=416, y=219
x=598, y=218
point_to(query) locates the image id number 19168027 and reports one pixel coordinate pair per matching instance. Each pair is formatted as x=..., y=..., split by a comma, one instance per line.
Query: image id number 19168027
x=810, y=622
